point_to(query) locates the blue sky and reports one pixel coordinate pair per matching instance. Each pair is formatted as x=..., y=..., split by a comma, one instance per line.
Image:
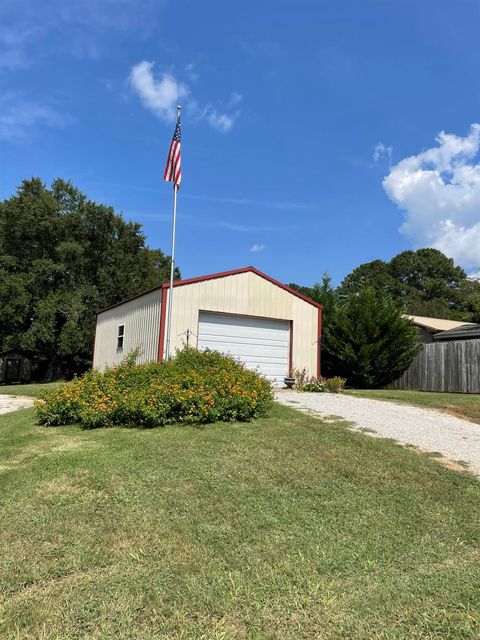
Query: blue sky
x=310, y=129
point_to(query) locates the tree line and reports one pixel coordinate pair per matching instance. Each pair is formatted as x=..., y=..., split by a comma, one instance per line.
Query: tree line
x=366, y=337
x=63, y=257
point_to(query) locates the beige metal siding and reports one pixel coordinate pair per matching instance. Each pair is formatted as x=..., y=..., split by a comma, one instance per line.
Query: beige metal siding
x=248, y=294
x=141, y=318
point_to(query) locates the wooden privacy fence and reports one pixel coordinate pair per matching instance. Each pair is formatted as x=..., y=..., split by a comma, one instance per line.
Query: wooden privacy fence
x=444, y=366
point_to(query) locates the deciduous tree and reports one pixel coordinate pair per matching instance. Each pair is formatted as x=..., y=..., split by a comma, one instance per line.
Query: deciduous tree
x=423, y=282
x=64, y=257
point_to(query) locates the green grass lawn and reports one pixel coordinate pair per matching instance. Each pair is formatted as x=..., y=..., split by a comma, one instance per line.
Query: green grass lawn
x=283, y=528
x=34, y=390
x=463, y=405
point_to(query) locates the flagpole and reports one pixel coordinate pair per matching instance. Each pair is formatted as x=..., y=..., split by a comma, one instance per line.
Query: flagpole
x=172, y=266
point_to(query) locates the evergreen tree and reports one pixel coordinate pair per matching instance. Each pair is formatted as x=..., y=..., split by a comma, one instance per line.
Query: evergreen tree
x=322, y=292
x=367, y=341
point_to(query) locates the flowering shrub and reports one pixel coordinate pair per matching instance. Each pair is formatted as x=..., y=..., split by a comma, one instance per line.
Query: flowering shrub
x=301, y=378
x=335, y=384
x=194, y=387
x=315, y=385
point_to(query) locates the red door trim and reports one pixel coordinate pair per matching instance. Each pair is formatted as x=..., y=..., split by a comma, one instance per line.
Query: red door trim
x=290, y=349
x=163, y=315
x=94, y=340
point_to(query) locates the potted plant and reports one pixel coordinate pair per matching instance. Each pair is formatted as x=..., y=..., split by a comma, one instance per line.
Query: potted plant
x=289, y=380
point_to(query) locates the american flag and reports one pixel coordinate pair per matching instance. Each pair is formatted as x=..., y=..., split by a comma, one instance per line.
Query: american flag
x=173, y=170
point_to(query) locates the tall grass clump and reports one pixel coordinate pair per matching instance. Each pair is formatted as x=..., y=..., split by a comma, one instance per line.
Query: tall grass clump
x=193, y=388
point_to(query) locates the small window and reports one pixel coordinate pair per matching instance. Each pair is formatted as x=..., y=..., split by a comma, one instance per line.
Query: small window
x=120, y=336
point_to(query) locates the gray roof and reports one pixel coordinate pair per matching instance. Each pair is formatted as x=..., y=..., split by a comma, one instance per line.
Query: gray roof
x=466, y=332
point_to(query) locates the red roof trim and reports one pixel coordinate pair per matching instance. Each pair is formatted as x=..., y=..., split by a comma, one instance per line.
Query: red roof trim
x=214, y=276
x=139, y=295
x=233, y=272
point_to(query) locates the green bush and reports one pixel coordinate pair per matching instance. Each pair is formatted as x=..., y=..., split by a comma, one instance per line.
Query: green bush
x=368, y=341
x=335, y=384
x=194, y=387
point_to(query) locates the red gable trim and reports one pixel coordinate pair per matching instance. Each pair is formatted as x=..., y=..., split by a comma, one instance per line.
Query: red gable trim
x=234, y=272
x=214, y=276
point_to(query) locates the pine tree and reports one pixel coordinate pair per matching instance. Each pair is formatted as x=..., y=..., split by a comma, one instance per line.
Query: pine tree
x=367, y=341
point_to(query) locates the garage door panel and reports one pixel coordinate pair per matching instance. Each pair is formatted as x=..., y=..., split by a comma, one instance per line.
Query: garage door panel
x=244, y=340
x=230, y=330
x=266, y=370
x=223, y=319
x=245, y=350
x=260, y=343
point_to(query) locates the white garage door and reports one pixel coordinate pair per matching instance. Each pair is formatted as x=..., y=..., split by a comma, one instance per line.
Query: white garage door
x=261, y=343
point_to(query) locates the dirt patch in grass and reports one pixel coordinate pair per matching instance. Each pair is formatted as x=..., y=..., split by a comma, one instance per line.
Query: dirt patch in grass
x=68, y=581
x=75, y=483
x=31, y=453
x=459, y=412
x=453, y=465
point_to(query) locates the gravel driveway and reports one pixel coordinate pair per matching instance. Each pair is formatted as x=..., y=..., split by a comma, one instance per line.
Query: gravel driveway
x=427, y=429
x=12, y=403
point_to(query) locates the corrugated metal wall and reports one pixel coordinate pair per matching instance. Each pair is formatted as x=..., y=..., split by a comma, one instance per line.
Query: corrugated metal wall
x=141, y=318
x=245, y=294
x=444, y=366
x=248, y=294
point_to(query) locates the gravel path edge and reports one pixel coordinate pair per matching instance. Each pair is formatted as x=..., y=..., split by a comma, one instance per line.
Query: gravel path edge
x=430, y=431
x=10, y=403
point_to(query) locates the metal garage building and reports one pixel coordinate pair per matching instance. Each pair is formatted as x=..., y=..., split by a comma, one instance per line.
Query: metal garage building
x=243, y=312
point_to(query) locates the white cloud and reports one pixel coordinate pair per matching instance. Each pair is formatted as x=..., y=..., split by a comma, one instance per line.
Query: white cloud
x=231, y=226
x=106, y=15
x=271, y=204
x=474, y=276
x=235, y=99
x=256, y=248
x=220, y=121
x=18, y=116
x=161, y=94
x=380, y=151
x=13, y=42
x=440, y=191
x=191, y=73
x=13, y=59
x=80, y=28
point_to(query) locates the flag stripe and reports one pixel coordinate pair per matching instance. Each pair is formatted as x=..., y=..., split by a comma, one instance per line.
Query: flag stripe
x=173, y=169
